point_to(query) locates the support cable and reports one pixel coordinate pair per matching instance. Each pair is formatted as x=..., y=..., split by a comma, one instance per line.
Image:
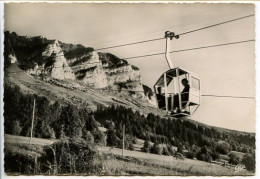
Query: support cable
x=184, y=33
x=195, y=48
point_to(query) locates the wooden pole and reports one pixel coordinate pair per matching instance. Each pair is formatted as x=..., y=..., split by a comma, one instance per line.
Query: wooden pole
x=32, y=120
x=165, y=92
x=123, y=140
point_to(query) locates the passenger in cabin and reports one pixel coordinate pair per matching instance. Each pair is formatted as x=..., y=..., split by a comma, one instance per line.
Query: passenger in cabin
x=160, y=98
x=185, y=91
x=184, y=95
x=186, y=85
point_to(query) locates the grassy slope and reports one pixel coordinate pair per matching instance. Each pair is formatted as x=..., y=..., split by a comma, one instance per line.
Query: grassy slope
x=133, y=162
x=140, y=163
x=94, y=97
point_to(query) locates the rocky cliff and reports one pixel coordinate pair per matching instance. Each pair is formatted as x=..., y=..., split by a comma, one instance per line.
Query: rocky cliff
x=54, y=59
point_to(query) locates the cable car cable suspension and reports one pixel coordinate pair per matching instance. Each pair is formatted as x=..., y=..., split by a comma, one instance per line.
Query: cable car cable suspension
x=184, y=33
x=195, y=30
x=247, y=97
x=195, y=48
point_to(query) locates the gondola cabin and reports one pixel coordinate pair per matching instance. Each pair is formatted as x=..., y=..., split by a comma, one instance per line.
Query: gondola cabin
x=178, y=92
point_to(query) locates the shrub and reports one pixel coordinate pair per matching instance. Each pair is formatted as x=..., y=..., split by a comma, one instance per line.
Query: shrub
x=89, y=137
x=16, y=129
x=190, y=155
x=215, y=155
x=222, y=148
x=111, y=138
x=99, y=137
x=134, y=140
x=70, y=156
x=233, y=159
x=165, y=151
x=131, y=147
x=204, y=154
x=249, y=161
x=169, y=148
x=18, y=163
x=157, y=149
x=147, y=147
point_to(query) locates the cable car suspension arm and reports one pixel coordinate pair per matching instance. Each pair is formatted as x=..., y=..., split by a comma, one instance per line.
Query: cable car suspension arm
x=169, y=36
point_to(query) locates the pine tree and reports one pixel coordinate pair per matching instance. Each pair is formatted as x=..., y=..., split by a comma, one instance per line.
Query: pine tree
x=111, y=138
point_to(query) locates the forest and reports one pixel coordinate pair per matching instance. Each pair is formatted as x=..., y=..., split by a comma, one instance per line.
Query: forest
x=78, y=127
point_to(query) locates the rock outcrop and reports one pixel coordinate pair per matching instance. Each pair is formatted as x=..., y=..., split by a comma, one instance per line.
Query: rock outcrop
x=58, y=67
x=57, y=60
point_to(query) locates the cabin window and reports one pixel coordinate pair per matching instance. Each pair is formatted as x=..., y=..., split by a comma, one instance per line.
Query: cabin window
x=195, y=83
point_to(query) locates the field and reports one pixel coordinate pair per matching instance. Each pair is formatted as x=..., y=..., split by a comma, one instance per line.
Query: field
x=141, y=163
x=133, y=162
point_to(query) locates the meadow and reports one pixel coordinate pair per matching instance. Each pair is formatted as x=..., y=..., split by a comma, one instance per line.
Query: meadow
x=109, y=161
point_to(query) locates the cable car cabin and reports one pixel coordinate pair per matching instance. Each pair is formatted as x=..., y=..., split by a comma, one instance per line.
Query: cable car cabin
x=178, y=92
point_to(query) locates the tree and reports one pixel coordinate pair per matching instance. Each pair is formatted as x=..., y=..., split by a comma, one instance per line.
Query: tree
x=204, y=154
x=233, y=159
x=215, y=155
x=165, y=151
x=190, y=155
x=223, y=148
x=88, y=137
x=70, y=155
x=111, y=138
x=169, y=148
x=147, y=147
x=16, y=129
x=157, y=149
x=249, y=161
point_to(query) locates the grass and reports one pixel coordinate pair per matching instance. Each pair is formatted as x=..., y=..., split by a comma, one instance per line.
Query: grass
x=117, y=165
x=109, y=161
x=240, y=155
x=12, y=139
x=139, y=163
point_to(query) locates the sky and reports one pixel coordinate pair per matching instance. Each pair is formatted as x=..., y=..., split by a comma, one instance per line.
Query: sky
x=226, y=70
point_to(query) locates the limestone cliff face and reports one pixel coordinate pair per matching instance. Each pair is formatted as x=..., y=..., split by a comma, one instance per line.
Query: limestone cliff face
x=54, y=59
x=59, y=67
x=101, y=70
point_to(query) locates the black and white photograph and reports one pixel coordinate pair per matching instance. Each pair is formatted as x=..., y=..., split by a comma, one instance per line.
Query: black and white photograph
x=129, y=89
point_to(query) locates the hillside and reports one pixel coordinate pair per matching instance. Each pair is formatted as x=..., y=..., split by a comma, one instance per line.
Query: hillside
x=47, y=59
x=78, y=90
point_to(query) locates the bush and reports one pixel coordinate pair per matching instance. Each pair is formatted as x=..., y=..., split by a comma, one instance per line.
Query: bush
x=99, y=137
x=128, y=142
x=134, y=140
x=157, y=149
x=233, y=159
x=89, y=137
x=147, y=147
x=223, y=148
x=190, y=155
x=165, y=151
x=111, y=138
x=215, y=155
x=16, y=129
x=249, y=161
x=70, y=156
x=131, y=147
x=169, y=148
x=204, y=155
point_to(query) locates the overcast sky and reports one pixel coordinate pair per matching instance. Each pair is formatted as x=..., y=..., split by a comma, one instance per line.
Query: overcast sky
x=227, y=70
